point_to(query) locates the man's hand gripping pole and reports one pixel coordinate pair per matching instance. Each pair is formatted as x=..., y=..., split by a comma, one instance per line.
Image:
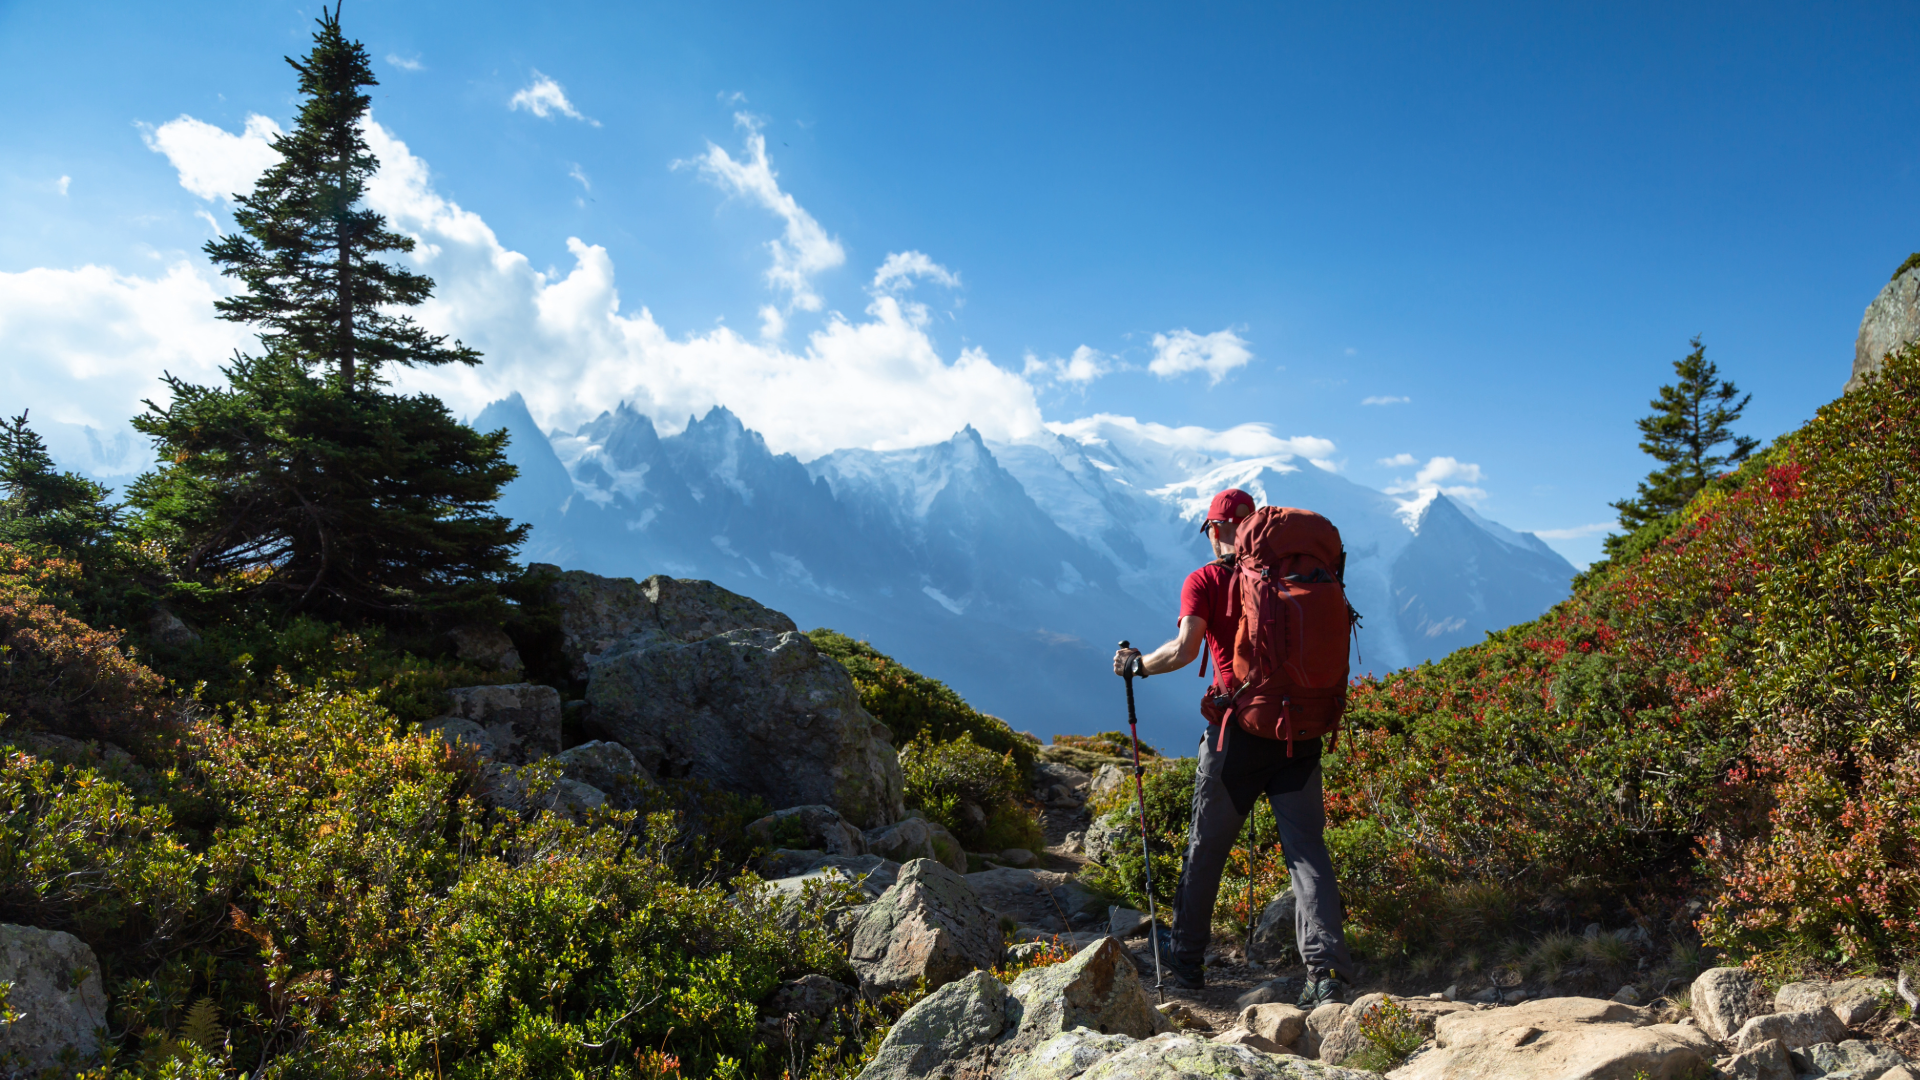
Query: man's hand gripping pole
x=1140, y=796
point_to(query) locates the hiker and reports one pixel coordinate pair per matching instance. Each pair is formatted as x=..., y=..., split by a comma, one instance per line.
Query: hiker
x=1237, y=765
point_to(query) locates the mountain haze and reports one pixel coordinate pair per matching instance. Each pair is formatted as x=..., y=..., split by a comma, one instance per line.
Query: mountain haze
x=1006, y=569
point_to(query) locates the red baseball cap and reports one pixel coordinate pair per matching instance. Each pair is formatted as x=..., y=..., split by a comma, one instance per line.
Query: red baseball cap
x=1229, y=506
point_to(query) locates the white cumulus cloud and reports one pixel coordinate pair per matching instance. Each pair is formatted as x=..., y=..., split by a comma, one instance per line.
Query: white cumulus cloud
x=1085, y=365
x=405, y=63
x=1576, y=532
x=543, y=97
x=1239, y=441
x=1399, y=460
x=1385, y=399
x=1180, y=351
x=804, y=248
x=61, y=185
x=215, y=163
x=902, y=267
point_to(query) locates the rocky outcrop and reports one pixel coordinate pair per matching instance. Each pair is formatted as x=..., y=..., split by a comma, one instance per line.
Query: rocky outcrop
x=755, y=712
x=1725, y=998
x=518, y=722
x=1854, y=1059
x=1565, y=1038
x=930, y=926
x=57, y=994
x=948, y=1030
x=1059, y=785
x=914, y=837
x=1891, y=323
x=816, y=827
x=1098, y=989
x=600, y=616
x=1116, y=831
x=1769, y=1061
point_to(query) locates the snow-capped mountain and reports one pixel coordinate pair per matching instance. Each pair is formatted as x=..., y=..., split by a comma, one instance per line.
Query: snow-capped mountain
x=1008, y=570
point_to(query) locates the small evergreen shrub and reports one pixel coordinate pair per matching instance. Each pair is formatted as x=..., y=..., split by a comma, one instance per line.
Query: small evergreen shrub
x=977, y=794
x=911, y=704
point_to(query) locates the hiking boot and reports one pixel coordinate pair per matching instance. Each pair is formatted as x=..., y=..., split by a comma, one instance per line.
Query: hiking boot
x=1178, y=973
x=1322, y=987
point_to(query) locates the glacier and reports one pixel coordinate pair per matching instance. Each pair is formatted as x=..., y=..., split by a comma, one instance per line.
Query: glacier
x=1007, y=570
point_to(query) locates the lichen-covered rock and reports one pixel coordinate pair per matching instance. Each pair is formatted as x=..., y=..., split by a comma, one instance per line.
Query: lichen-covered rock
x=1098, y=989
x=1116, y=831
x=1065, y=1056
x=1275, y=937
x=815, y=827
x=1060, y=785
x=915, y=837
x=754, y=712
x=1891, y=323
x=1566, y=1038
x=608, y=766
x=58, y=995
x=1725, y=998
x=521, y=720
x=946, y=1030
x=1854, y=1059
x=600, y=616
x=1187, y=1057
x=1796, y=1029
x=930, y=926
x=1768, y=1061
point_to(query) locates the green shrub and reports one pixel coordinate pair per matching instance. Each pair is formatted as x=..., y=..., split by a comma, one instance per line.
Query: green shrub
x=1168, y=790
x=976, y=793
x=911, y=704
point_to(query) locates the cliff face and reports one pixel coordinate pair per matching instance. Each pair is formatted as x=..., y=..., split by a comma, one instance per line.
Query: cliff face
x=1891, y=323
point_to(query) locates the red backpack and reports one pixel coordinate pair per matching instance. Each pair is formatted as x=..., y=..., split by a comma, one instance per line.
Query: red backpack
x=1289, y=678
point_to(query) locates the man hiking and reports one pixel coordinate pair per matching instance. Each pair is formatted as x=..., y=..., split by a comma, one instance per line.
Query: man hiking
x=1237, y=764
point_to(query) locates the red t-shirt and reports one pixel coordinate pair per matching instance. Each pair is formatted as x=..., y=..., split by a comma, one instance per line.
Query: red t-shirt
x=1205, y=594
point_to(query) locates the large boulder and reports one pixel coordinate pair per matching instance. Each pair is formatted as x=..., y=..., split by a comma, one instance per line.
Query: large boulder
x=1277, y=1022
x=1891, y=323
x=1725, y=998
x=600, y=616
x=755, y=712
x=1060, y=785
x=1118, y=830
x=1768, y=1061
x=1566, y=1038
x=486, y=646
x=948, y=1030
x=1177, y=1056
x=1098, y=989
x=930, y=926
x=915, y=837
x=816, y=827
x=58, y=995
x=519, y=721
x=1854, y=1058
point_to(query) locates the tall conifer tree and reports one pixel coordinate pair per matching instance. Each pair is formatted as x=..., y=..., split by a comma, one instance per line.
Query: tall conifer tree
x=303, y=481
x=1690, y=421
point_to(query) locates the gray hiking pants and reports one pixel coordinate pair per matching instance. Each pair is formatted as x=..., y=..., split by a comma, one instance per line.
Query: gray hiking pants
x=1226, y=787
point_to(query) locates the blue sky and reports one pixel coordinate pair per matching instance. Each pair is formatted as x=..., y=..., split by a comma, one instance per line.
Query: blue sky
x=1509, y=220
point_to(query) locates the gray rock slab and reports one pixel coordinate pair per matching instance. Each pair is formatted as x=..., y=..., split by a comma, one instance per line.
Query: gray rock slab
x=915, y=837
x=1177, y=1056
x=1025, y=896
x=58, y=994
x=1275, y=938
x=485, y=646
x=1768, y=1061
x=754, y=712
x=1065, y=1056
x=609, y=767
x=1565, y=1038
x=1795, y=1029
x=1855, y=1059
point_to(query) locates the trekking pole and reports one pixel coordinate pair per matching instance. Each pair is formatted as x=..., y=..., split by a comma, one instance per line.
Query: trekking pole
x=1146, y=853
x=1249, y=947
